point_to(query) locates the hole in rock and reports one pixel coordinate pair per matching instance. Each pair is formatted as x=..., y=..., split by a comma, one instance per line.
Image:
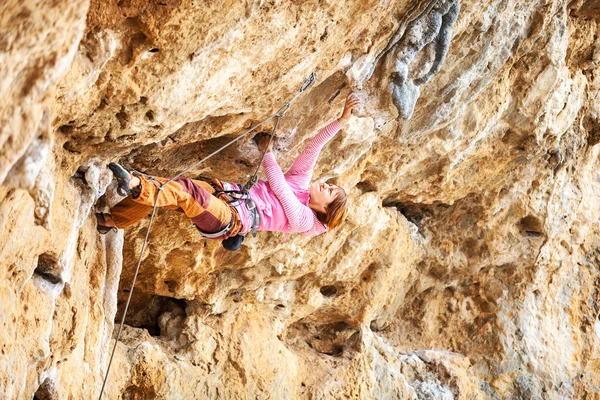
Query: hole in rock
x=154, y=313
x=416, y=213
x=244, y=162
x=369, y=273
x=137, y=40
x=354, y=342
x=531, y=227
x=484, y=304
x=122, y=117
x=70, y=147
x=594, y=136
x=172, y=285
x=65, y=128
x=33, y=74
x=48, y=268
x=80, y=173
x=103, y=104
x=154, y=50
x=555, y=159
x=334, y=96
x=144, y=391
x=378, y=325
x=324, y=35
x=46, y=391
x=150, y=115
x=335, y=350
x=330, y=339
x=412, y=213
x=435, y=269
x=236, y=295
x=366, y=186
x=329, y=291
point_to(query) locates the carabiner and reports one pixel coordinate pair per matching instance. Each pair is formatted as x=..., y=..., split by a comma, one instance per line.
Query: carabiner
x=308, y=82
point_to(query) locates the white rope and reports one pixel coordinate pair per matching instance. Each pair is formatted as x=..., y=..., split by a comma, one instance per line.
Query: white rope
x=280, y=113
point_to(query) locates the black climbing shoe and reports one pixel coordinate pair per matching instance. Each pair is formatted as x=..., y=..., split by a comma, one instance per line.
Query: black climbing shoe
x=101, y=224
x=122, y=176
x=233, y=243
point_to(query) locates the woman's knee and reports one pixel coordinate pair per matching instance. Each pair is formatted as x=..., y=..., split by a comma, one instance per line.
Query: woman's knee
x=198, y=193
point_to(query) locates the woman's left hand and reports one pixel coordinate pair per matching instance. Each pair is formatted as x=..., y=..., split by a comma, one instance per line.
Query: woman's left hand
x=352, y=101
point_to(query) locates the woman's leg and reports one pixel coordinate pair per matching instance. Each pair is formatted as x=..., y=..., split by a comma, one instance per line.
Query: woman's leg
x=194, y=198
x=127, y=212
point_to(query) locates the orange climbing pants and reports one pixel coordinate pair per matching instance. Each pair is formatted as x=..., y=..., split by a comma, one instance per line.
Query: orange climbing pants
x=192, y=197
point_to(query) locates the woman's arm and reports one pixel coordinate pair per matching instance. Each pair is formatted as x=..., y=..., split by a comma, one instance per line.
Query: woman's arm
x=301, y=171
x=300, y=217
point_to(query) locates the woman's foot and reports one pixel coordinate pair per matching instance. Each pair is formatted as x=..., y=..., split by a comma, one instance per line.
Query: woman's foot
x=123, y=178
x=105, y=223
x=126, y=181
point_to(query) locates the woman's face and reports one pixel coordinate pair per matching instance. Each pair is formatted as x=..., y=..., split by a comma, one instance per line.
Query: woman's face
x=321, y=195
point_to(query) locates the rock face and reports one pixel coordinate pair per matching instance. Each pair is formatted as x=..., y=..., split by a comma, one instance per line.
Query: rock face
x=468, y=267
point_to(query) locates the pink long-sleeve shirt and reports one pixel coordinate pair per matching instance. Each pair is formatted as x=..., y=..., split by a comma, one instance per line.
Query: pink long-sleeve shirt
x=282, y=200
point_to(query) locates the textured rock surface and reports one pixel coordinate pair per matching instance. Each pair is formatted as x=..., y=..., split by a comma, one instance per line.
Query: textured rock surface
x=468, y=267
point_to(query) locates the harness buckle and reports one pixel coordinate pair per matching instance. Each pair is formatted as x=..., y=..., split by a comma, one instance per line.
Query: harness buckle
x=251, y=182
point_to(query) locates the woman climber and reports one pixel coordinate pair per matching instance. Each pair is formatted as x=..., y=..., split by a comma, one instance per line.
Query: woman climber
x=282, y=203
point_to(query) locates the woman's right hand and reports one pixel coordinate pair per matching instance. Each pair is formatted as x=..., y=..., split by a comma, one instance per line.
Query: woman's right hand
x=352, y=101
x=264, y=142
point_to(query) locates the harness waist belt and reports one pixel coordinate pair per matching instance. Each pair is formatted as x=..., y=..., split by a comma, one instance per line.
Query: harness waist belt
x=237, y=194
x=216, y=234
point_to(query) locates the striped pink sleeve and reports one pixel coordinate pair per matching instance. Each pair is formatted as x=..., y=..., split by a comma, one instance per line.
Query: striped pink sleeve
x=301, y=171
x=300, y=217
x=317, y=228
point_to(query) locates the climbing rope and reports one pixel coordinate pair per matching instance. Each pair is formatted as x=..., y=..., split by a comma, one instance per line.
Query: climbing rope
x=251, y=181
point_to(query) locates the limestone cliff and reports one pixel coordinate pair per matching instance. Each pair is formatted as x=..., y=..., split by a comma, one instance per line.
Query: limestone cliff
x=468, y=267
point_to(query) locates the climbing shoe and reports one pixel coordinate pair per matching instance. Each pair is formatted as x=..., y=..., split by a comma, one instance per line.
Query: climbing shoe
x=101, y=224
x=234, y=242
x=122, y=176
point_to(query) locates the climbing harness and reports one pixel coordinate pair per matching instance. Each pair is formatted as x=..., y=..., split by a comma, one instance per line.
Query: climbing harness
x=236, y=193
x=251, y=182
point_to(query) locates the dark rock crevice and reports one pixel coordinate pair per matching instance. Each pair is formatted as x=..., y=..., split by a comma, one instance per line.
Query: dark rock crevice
x=49, y=269
x=155, y=314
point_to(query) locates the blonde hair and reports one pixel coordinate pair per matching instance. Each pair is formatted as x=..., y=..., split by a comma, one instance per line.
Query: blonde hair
x=337, y=210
